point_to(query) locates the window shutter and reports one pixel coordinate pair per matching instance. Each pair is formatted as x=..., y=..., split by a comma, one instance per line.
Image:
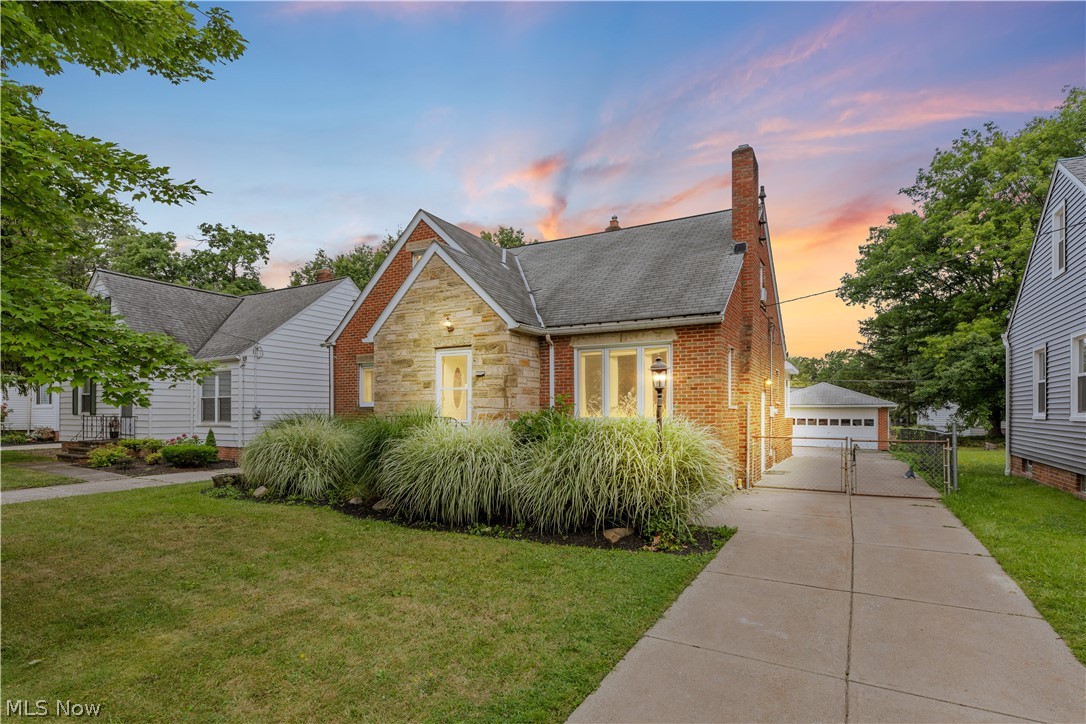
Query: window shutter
x=93, y=398
x=75, y=401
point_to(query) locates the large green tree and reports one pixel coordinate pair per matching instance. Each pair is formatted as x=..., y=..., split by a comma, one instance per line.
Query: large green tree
x=57, y=187
x=942, y=278
x=226, y=260
x=506, y=237
x=360, y=263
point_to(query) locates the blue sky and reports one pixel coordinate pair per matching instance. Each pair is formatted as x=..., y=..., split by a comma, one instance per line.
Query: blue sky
x=341, y=120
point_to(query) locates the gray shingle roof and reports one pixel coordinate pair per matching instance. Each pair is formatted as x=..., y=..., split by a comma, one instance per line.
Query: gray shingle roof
x=209, y=324
x=683, y=267
x=824, y=394
x=1076, y=166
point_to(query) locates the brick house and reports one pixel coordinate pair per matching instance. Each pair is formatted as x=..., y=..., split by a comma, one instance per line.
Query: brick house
x=454, y=322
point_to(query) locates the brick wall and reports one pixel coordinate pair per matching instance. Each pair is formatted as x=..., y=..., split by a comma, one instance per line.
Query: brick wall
x=230, y=453
x=350, y=345
x=1064, y=480
x=884, y=428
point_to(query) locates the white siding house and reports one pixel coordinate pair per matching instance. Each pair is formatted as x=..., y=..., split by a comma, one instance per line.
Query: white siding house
x=825, y=415
x=40, y=408
x=267, y=348
x=1046, y=342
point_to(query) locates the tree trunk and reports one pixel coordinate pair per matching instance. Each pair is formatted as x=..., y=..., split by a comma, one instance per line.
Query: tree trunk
x=995, y=419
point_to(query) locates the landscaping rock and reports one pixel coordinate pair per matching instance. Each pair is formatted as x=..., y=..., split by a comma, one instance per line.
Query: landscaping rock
x=227, y=479
x=614, y=535
x=259, y=492
x=383, y=504
x=355, y=501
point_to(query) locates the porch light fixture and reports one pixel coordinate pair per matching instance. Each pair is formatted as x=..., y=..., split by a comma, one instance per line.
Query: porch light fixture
x=448, y=324
x=659, y=381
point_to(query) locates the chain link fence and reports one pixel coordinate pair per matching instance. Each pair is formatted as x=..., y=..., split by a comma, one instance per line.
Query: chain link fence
x=930, y=454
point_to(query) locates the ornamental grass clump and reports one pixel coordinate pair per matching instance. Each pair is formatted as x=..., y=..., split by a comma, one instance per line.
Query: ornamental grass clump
x=309, y=456
x=450, y=473
x=373, y=438
x=603, y=473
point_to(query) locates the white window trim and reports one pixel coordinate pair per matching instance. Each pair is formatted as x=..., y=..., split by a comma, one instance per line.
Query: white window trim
x=1076, y=365
x=217, y=421
x=452, y=351
x=731, y=379
x=1035, y=379
x=642, y=404
x=1059, y=234
x=361, y=402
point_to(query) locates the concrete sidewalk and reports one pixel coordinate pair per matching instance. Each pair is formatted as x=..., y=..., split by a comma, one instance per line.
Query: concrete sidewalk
x=826, y=607
x=100, y=482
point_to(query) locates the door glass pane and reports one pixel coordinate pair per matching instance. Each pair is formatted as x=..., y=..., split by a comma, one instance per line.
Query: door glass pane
x=454, y=386
x=651, y=353
x=622, y=381
x=590, y=385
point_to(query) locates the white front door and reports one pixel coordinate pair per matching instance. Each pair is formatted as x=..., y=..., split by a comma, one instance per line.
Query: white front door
x=453, y=384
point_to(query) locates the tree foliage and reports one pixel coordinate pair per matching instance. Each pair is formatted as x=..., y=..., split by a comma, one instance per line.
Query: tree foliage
x=58, y=188
x=942, y=279
x=360, y=263
x=506, y=237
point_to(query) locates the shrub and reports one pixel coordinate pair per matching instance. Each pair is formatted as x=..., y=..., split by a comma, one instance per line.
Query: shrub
x=373, y=438
x=210, y=439
x=189, y=456
x=312, y=456
x=45, y=434
x=153, y=458
x=596, y=473
x=182, y=439
x=13, y=437
x=142, y=446
x=101, y=457
x=450, y=473
x=533, y=427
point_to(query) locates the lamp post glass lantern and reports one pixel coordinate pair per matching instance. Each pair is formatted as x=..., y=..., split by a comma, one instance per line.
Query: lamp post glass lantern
x=659, y=381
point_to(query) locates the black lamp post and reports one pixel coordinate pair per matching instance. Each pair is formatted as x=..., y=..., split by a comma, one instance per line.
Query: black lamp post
x=659, y=381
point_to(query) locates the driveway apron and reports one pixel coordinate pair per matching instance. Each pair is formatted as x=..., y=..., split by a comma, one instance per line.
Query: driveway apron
x=829, y=607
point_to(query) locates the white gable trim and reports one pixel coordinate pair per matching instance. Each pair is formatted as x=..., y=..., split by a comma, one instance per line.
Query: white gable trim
x=419, y=216
x=1056, y=172
x=433, y=250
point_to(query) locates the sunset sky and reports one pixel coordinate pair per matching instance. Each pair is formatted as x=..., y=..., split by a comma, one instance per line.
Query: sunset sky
x=341, y=120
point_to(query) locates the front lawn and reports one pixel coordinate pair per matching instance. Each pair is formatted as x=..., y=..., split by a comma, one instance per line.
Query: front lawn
x=15, y=476
x=163, y=604
x=1037, y=533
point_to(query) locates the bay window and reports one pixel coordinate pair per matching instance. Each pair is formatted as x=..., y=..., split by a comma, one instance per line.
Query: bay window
x=617, y=382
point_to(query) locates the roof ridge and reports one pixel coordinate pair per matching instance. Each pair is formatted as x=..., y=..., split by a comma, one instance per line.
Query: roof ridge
x=287, y=289
x=168, y=284
x=624, y=228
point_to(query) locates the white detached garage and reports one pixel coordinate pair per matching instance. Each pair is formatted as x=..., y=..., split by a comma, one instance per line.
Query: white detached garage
x=824, y=415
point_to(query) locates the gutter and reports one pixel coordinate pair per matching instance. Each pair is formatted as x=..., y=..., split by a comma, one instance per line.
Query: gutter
x=1006, y=402
x=600, y=327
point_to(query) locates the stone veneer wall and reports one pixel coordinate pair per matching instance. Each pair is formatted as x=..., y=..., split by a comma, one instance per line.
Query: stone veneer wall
x=406, y=345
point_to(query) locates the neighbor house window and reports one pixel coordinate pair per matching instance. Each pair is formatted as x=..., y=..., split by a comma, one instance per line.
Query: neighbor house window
x=365, y=385
x=1078, y=377
x=869, y=422
x=42, y=396
x=215, y=398
x=618, y=383
x=1040, y=382
x=1059, y=239
x=85, y=399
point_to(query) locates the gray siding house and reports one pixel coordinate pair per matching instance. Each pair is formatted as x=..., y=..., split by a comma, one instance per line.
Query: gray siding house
x=1046, y=343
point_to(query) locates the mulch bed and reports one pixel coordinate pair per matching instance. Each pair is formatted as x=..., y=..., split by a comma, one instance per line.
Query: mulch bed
x=139, y=468
x=706, y=539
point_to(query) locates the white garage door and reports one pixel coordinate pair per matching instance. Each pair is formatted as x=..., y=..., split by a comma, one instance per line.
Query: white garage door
x=828, y=426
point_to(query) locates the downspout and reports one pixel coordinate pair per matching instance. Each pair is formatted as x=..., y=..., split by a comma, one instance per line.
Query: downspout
x=550, y=368
x=331, y=379
x=1007, y=403
x=241, y=382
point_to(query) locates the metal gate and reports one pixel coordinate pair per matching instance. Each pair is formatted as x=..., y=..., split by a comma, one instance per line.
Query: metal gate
x=917, y=463
x=812, y=463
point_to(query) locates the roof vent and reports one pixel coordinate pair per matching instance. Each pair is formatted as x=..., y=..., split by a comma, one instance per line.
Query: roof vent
x=613, y=226
x=740, y=247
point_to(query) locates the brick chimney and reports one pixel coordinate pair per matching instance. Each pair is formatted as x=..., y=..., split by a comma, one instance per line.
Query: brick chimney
x=613, y=226
x=325, y=275
x=745, y=190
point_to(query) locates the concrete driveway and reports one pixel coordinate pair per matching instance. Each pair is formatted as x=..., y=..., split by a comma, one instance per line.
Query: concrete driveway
x=826, y=607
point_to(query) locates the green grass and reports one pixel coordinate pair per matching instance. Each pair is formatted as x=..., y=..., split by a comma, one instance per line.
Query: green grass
x=164, y=604
x=1037, y=533
x=14, y=476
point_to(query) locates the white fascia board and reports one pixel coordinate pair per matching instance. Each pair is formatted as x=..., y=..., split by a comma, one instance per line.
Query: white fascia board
x=1056, y=172
x=636, y=324
x=435, y=250
x=794, y=406
x=419, y=216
